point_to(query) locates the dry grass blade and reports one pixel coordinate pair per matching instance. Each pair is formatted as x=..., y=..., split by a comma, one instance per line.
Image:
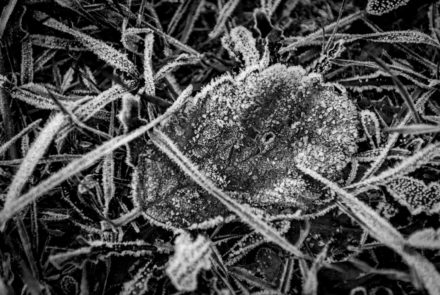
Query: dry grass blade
x=383, y=231
x=11, y=141
x=4, y=17
x=242, y=211
x=415, y=129
x=224, y=13
x=378, y=227
x=428, y=238
x=53, y=42
x=392, y=139
x=402, y=89
x=406, y=166
x=108, y=170
x=409, y=37
x=102, y=50
x=182, y=59
x=38, y=96
x=148, y=69
x=311, y=38
x=36, y=152
x=73, y=168
x=27, y=62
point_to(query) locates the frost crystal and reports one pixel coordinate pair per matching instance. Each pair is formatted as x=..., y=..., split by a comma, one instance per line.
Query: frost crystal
x=247, y=133
x=416, y=195
x=379, y=7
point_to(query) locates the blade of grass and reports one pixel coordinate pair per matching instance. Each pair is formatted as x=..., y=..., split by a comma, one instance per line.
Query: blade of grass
x=383, y=231
x=28, y=128
x=402, y=90
x=18, y=204
x=244, y=212
x=36, y=152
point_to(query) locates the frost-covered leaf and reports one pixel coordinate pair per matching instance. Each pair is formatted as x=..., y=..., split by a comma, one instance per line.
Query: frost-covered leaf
x=108, y=169
x=38, y=96
x=101, y=49
x=241, y=44
x=251, y=241
x=371, y=126
x=408, y=36
x=245, y=212
x=139, y=283
x=269, y=263
x=379, y=7
x=27, y=62
x=416, y=195
x=53, y=42
x=224, y=124
x=189, y=258
x=428, y=238
x=67, y=79
x=150, y=89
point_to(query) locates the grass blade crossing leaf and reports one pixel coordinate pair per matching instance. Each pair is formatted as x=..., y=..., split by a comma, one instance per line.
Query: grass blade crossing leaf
x=36, y=152
x=242, y=211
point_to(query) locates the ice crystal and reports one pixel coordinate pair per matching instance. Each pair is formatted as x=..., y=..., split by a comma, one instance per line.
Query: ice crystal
x=247, y=133
x=416, y=195
x=379, y=7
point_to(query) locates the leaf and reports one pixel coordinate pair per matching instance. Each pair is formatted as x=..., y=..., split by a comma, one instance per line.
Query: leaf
x=27, y=62
x=241, y=210
x=371, y=126
x=108, y=184
x=241, y=44
x=139, y=283
x=189, y=258
x=148, y=69
x=36, y=152
x=67, y=80
x=102, y=50
x=38, y=96
x=379, y=7
x=404, y=36
x=428, y=238
x=53, y=42
x=415, y=195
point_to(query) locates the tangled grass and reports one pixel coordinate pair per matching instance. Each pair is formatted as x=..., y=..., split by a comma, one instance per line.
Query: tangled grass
x=157, y=147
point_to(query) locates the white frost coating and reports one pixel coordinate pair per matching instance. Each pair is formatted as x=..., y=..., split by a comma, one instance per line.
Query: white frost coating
x=189, y=259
